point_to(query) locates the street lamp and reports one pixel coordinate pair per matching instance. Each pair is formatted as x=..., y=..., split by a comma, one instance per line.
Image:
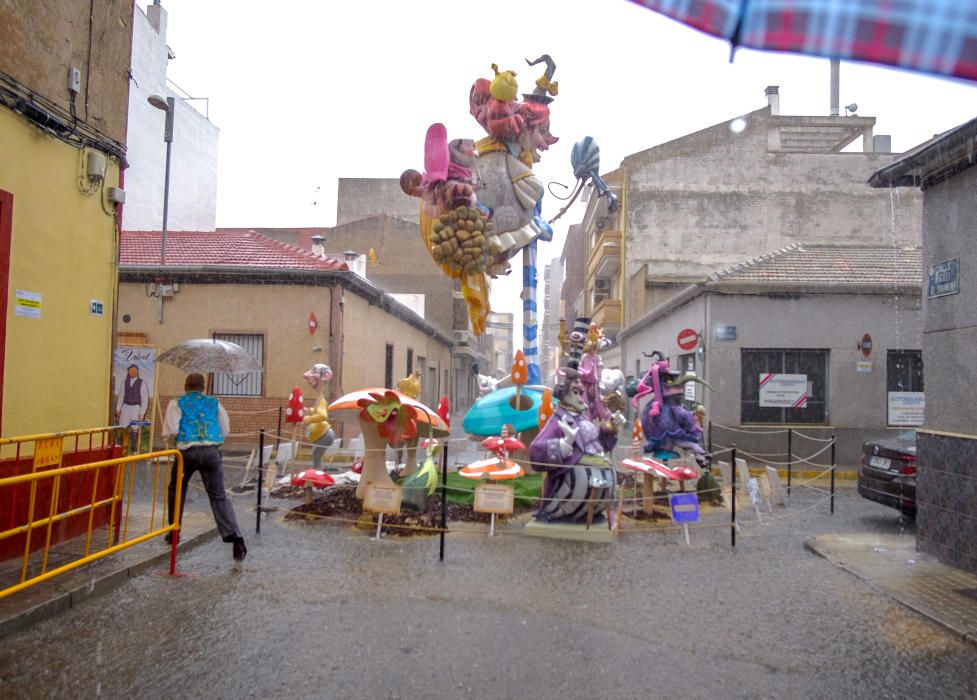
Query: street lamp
x=168, y=105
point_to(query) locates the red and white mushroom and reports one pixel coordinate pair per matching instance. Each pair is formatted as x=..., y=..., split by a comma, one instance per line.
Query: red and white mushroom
x=312, y=478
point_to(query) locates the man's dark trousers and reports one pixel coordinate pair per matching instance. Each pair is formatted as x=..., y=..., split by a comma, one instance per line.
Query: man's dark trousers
x=206, y=459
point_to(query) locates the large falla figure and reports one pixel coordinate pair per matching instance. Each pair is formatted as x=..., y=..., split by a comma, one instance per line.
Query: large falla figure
x=574, y=450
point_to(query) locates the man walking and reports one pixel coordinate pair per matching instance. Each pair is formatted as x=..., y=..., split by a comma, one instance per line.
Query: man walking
x=199, y=424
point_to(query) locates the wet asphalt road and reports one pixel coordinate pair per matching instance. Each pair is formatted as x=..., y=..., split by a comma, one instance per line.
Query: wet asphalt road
x=324, y=611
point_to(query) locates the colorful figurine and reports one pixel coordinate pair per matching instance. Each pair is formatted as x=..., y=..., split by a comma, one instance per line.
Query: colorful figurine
x=575, y=454
x=667, y=423
x=318, y=430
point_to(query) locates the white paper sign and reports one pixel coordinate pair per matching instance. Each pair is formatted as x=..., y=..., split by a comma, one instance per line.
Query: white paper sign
x=783, y=390
x=494, y=498
x=27, y=304
x=906, y=407
x=383, y=498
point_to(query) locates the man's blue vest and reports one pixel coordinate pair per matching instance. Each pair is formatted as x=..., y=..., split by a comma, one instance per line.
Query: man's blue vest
x=199, y=420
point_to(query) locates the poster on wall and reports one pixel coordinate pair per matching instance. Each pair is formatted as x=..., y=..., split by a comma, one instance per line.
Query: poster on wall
x=134, y=383
x=906, y=408
x=783, y=390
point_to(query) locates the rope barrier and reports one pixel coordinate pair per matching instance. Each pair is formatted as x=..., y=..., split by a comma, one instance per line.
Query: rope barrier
x=749, y=432
x=811, y=437
x=631, y=526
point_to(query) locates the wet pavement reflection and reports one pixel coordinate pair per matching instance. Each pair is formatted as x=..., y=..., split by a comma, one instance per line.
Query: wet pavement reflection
x=322, y=610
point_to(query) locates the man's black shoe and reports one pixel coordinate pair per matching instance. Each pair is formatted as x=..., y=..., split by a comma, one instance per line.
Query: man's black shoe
x=240, y=551
x=169, y=537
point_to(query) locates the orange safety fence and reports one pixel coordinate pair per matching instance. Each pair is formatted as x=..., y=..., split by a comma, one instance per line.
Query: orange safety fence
x=77, y=505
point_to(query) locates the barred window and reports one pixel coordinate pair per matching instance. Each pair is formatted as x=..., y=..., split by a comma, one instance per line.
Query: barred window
x=811, y=363
x=241, y=384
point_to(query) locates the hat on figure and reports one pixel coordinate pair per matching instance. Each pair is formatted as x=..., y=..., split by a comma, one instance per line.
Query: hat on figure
x=578, y=336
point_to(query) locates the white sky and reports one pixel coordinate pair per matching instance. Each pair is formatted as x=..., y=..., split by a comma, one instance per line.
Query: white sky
x=307, y=91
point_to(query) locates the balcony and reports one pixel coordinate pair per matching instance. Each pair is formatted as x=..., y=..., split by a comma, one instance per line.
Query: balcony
x=604, y=258
x=607, y=314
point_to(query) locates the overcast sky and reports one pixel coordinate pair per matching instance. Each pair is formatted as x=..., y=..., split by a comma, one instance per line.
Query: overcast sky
x=307, y=91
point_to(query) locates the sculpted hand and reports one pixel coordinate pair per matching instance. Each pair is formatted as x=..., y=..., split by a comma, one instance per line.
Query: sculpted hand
x=569, y=435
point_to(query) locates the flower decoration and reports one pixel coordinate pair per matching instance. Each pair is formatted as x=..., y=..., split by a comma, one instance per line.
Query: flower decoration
x=395, y=421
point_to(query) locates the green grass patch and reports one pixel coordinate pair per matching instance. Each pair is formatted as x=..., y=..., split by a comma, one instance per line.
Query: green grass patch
x=527, y=489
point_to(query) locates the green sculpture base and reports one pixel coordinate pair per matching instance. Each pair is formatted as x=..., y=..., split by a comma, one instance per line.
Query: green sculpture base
x=598, y=532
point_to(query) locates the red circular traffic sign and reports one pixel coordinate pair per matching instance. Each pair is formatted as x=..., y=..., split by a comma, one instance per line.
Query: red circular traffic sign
x=687, y=339
x=865, y=345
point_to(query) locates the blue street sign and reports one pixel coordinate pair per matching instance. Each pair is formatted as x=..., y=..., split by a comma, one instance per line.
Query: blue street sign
x=685, y=507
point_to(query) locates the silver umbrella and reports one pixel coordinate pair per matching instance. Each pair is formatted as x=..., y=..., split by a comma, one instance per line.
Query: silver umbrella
x=207, y=355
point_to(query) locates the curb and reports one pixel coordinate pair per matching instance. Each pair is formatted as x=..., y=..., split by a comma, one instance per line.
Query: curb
x=106, y=582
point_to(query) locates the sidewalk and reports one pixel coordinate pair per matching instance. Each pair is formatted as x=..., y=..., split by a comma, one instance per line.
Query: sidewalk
x=890, y=564
x=49, y=598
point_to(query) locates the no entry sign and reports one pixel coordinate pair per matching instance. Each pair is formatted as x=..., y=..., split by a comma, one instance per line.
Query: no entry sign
x=865, y=345
x=687, y=339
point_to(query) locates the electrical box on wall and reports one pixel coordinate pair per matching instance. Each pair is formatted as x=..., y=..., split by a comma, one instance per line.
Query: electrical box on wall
x=74, y=79
x=95, y=166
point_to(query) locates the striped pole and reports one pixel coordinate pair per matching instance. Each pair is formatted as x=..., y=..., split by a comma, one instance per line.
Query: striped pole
x=529, y=330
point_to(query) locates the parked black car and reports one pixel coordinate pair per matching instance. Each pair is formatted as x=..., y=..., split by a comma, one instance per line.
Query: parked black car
x=888, y=472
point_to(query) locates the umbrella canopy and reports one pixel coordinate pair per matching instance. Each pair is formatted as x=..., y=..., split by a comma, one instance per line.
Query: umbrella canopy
x=208, y=355
x=932, y=36
x=424, y=414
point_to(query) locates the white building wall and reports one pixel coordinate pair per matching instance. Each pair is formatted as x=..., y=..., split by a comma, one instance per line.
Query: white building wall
x=193, y=161
x=857, y=401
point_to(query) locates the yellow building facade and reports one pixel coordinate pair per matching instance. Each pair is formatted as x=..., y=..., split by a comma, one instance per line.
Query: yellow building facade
x=63, y=103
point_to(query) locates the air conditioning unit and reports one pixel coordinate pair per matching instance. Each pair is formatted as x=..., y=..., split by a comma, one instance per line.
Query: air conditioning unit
x=461, y=337
x=602, y=223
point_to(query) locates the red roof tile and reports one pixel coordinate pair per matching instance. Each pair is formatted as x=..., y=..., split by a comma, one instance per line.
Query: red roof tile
x=224, y=248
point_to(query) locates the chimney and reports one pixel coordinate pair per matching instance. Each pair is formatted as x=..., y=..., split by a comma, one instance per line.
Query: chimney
x=157, y=18
x=318, y=247
x=773, y=99
x=835, y=86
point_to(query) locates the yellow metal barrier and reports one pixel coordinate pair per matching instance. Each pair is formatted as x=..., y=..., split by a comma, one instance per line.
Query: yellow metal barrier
x=45, y=487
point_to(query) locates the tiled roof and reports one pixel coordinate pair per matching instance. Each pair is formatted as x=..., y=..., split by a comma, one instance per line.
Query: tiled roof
x=831, y=263
x=224, y=248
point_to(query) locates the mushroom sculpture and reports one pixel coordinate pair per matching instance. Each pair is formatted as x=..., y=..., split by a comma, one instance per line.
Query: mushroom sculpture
x=312, y=478
x=499, y=467
x=386, y=417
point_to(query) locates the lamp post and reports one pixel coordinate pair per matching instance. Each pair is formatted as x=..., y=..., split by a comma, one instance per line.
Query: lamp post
x=168, y=105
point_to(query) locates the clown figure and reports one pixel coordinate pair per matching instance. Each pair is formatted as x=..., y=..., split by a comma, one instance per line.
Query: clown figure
x=317, y=428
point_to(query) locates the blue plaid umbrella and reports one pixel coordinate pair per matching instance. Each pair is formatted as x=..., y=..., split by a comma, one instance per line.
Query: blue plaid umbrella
x=933, y=36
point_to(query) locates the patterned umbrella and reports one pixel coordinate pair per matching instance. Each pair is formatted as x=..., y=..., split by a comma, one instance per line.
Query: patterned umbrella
x=932, y=36
x=208, y=355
